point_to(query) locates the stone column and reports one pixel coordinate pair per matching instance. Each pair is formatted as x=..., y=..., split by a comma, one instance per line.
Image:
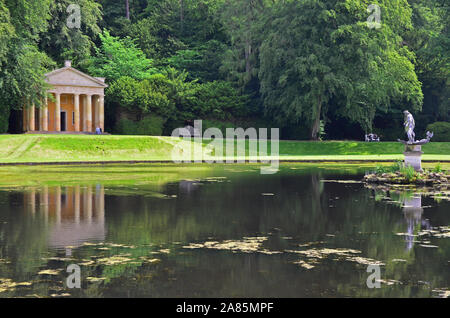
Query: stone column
x=87, y=204
x=88, y=114
x=58, y=112
x=32, y=201
x=77, y=204
x=100, y=203
x=96, y=106
x=44, y=202
x=44, y=115
x=58, y=205
x=31, y=123
x=101, y=113
x=90, y=196
x=77, y=112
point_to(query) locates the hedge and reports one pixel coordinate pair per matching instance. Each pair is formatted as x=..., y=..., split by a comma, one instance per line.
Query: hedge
x=149, y=125
x=441, y=130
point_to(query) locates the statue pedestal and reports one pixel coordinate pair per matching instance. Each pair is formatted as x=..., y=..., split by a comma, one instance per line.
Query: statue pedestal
x=413, y=156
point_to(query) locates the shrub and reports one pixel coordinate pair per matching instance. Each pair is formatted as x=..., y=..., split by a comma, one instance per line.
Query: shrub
x=150, y=95
x=170, y=95
x=408, y=172
x=397, y=166
x=438, y=168
x=125, y=127
x=149, y=125
x=441, y=130
x=381, y=169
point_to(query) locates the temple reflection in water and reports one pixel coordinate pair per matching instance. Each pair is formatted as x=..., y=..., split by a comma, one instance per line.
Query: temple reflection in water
x=74, y=214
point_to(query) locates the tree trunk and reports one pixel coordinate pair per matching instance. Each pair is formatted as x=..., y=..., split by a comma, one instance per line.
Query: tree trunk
x=182, y=15
x=316, y=126
x=127, y=4
x=248, y=53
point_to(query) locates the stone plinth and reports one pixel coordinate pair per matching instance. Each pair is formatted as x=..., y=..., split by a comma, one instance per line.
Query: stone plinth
x=413, y=156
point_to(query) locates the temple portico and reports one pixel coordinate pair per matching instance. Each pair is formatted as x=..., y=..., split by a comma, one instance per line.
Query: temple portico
x=77, y=104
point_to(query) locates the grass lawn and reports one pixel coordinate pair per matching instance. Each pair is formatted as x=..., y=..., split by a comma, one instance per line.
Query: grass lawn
x=91, y=148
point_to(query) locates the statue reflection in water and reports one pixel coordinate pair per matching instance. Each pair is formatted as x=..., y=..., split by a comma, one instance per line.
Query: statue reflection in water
x=74, y=214
x=412, y=211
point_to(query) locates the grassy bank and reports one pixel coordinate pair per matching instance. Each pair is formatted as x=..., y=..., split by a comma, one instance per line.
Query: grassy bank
x=83, y=148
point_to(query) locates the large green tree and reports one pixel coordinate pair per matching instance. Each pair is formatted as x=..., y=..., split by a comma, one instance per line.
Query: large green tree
x=22, y=65
x=118, y=57
x=245, y=22
x=429, y=39
x=66, y=41
x=320, y=50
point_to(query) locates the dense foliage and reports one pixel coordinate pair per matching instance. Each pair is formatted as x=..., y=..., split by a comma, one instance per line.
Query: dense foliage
x=441, y=131
x=314, y=68
x=331, y=61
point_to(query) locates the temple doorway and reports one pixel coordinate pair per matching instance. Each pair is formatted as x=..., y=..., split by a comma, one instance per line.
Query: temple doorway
x=63, y=121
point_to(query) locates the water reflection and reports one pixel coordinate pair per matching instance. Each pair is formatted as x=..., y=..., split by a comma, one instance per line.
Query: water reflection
x=299, y=233
x=74, y=214
x=412, y=210
x=188, y=186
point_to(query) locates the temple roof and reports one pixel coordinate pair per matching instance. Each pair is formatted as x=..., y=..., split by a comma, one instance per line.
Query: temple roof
x=69, y=76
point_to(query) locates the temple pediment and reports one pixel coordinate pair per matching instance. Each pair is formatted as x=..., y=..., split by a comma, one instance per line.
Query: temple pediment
x=68, y=76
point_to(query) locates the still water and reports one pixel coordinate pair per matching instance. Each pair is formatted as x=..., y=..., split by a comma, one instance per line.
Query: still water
x=222, y=231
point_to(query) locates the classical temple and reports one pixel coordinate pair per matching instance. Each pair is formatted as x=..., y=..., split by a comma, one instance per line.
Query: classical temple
x=78, y=105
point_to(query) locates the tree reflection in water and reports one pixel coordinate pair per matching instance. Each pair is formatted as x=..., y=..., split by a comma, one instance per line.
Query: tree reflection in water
x=130, y=237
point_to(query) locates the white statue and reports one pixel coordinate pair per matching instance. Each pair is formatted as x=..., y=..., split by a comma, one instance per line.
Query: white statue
x=409, y=129
x=409, y=126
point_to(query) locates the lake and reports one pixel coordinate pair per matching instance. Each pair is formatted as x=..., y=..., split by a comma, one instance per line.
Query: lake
x=219, y=231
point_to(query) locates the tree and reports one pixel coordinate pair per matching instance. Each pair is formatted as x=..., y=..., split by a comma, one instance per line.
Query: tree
x=30, y=18
x=430, y=41
x=64, y=42
x=168, y=26
x=120, y=57
x=127, y=9
x=6, y=31
x=320, y=50
x=170, y=95
x=22, y=65
x=156, y=37
x=143, y=97
x=118, y=16
x=202, y=63
x=244, y=22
